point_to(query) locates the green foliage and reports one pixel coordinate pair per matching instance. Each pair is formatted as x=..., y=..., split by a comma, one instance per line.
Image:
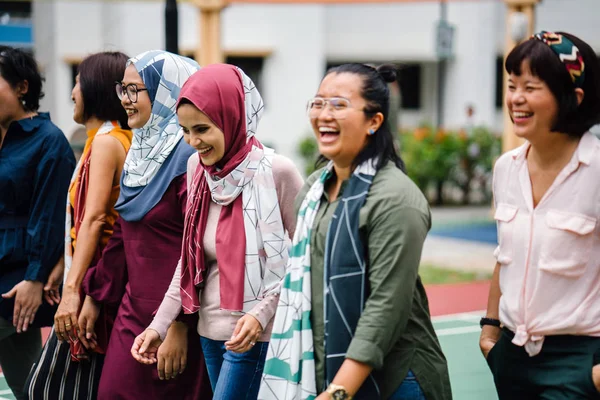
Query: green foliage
x=309, y=151
x=435, y=158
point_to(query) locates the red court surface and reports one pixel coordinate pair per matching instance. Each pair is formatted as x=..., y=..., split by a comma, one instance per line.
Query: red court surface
x=457, y=298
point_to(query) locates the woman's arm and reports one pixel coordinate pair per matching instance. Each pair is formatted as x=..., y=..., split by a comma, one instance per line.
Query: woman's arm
x=170, y=307
x=491, y=334
x=105, y=168
x=395, y=241
x=108, y=156
x=46, y=227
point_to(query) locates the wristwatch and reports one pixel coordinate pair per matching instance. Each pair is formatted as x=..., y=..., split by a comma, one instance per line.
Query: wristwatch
x=338, y=392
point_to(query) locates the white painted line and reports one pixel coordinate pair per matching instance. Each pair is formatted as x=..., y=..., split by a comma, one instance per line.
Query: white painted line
x=468, y=316
x=5, y=391
x=458, y=331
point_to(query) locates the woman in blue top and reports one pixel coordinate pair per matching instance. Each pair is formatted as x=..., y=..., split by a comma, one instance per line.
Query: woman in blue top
x=36, y=163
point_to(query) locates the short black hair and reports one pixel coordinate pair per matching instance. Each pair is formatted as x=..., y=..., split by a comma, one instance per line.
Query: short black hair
x=573, y=119
x=98, y=74
x=376, y=92
x=18, y=66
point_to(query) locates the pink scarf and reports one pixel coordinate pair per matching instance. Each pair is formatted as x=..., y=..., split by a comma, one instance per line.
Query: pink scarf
x=218, y=91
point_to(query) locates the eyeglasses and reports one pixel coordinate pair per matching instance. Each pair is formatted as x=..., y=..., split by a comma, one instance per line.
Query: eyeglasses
x=339, y=107
x=132, y=91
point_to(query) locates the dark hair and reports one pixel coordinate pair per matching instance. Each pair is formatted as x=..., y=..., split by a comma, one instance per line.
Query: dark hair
x=572, y=119
x=18, y=66
x=97, y=76
x=376, y=92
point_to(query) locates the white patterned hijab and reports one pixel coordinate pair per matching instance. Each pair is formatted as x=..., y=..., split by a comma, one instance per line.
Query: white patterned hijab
x=163, y=74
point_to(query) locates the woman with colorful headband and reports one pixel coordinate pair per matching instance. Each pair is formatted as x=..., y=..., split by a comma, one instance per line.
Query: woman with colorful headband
x=89, y=224
x=139, y=260
x=235, y=245
x=353, y=319
x=541, y=334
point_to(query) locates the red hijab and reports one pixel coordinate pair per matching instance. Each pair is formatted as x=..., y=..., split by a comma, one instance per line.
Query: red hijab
x=218, y=91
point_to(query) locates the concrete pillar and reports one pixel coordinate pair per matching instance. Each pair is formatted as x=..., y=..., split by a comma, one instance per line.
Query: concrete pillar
x=210, y=50
x=527, y=7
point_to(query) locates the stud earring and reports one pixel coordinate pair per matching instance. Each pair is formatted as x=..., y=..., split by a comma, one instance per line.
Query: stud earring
x=371, y=132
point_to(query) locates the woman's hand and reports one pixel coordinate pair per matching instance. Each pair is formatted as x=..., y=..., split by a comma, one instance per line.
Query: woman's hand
x=28, y=298
x=488, y=339
x=51, y=289
x=245, y=335
x=145, y=347
x=172, y=354
x=87, y=319
x=65, y=319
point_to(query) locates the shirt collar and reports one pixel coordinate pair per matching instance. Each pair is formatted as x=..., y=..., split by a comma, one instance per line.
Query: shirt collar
x=33, y=123
x=584, y=152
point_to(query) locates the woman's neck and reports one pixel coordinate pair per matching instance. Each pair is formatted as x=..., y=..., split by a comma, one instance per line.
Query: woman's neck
x=19, y=115
x=554, y=152
x=92, y=123
x=342, y=172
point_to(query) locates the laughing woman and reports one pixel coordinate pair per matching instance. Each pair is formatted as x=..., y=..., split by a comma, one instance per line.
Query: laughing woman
x=235, y=244
x=138, y=262
x=353, y=318
x=541, y=334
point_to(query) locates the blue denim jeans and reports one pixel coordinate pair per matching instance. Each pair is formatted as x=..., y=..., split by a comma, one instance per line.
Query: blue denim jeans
x=409, y=389
x=232, y=374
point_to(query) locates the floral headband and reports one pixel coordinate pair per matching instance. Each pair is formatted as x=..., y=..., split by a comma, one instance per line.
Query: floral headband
x=567, y=52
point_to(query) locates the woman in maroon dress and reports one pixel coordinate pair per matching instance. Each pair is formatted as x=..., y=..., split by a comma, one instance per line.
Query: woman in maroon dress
x=139, y=260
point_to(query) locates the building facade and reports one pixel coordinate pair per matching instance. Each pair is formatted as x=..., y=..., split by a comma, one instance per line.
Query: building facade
x=287, y=49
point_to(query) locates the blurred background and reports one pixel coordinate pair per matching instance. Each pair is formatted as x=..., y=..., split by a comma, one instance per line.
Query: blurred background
x=447, y=105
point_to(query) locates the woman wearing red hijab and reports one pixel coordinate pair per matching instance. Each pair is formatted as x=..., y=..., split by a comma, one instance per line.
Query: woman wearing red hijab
x=238, y=222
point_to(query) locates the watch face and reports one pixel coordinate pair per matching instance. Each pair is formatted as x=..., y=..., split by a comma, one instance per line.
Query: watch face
x=339, y=394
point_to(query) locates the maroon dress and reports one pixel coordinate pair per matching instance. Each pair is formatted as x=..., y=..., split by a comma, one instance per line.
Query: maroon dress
x=135, y=271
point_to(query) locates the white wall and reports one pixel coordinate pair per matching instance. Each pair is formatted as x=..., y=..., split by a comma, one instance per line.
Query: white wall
x=470, y=74
x=381, y=32
x=301, y=39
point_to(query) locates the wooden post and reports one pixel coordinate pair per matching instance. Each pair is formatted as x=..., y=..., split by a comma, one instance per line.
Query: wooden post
x=527, y=7
x=209, y=50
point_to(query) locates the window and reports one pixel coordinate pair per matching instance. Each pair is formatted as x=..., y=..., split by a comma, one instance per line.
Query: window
x=409, y=79
x=74, y=69
x=252, y=66
x=499, y=81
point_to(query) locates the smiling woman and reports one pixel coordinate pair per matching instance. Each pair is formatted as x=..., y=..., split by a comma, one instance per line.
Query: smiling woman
x=546, y=283
x=356, y=324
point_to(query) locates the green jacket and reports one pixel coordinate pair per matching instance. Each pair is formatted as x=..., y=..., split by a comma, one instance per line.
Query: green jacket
x=394, y=333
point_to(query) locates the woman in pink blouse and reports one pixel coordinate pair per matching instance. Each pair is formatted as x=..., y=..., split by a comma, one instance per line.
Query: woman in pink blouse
x=239, y=217
x=541, y=334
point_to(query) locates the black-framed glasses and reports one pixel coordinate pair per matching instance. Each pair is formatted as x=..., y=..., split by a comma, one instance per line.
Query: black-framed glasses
x=132, y=91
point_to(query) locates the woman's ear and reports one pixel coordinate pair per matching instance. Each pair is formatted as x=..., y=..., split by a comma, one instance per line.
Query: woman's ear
x=22, y=88
x=580, y=95
x=376, y=121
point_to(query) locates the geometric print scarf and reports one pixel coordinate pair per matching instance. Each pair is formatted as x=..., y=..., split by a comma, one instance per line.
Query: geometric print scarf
x=163, y=74
x=265, y=249
x=289, y=372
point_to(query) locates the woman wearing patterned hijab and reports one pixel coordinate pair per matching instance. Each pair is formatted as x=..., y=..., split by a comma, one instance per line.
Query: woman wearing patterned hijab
x=140, y=258
x=235, y=243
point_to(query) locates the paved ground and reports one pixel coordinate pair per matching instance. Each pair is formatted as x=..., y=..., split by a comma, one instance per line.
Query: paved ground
x=461, y=238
